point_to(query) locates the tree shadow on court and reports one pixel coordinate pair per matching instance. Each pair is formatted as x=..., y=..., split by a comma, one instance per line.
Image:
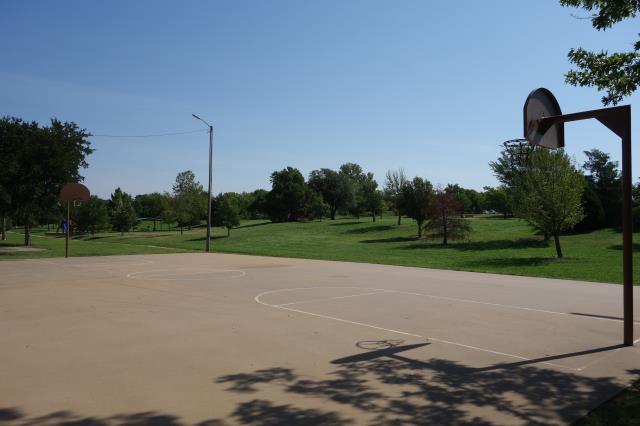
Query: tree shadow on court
x=255, y=412
x=394, y=389
x=15, y=417
x=382, y=388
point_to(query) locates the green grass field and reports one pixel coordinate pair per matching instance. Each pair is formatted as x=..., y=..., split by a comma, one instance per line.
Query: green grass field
x=495, y=245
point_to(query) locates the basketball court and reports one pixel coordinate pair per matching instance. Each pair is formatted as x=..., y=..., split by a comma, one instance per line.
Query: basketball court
x=218, y=339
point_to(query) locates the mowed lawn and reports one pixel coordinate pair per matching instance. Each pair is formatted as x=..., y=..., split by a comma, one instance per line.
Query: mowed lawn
x=505, y=246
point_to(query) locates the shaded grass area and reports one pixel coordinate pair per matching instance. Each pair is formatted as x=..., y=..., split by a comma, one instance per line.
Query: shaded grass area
x=622, y=410
x=504, y=246
x=53, y=246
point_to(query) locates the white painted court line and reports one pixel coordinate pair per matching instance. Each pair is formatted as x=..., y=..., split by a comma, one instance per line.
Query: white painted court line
x=333, y=298
x=160, y=275
x=523, y=308
x=520, y=357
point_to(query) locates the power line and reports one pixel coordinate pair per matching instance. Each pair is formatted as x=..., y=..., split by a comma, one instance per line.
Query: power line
x=152, y=135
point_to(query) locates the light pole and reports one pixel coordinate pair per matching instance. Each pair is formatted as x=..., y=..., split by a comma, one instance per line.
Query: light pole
x=208, y=245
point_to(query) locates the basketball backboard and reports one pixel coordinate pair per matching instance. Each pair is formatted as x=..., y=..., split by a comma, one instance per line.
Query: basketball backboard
x=539, y=104
x=74, y=192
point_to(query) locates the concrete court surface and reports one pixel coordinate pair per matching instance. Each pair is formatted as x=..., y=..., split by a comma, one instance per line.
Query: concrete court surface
x=217, y=339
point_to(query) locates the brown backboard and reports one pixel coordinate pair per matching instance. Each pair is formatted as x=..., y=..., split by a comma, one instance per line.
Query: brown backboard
x=541, y=103
x=74, y=192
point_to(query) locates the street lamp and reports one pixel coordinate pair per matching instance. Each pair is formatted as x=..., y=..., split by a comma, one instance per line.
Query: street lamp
x=208, y=245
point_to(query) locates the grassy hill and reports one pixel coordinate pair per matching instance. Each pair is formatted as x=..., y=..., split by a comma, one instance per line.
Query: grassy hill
x=495, y=245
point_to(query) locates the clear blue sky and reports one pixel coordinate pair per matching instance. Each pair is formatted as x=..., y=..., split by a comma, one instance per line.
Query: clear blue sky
x=433, y=87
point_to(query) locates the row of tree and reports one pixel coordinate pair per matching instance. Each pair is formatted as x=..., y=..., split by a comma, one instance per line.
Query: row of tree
x=186, y=206
x=35, y=161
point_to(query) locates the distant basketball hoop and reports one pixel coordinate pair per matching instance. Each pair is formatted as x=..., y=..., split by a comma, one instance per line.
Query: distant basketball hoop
x=72, y=192
x=75, y=193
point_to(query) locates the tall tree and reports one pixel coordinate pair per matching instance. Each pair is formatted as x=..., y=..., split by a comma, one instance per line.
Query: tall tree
x=394, y=181
x=258, y=207
x=497, y=199
x=189, y=201
x=509, y=167
x=123, y=215
x=226, y=211
x=335, y=188
x=445, y=218
x=415, y=200
x=617, y=73
x=92, y=215
x=551, y=192
x=460, y=194
x=288, y=195
x=315, y=206
x=150, y=206
x=372, y=199
x=353, y=172
x=36, y=162
x=604, y=177
x=594, y=215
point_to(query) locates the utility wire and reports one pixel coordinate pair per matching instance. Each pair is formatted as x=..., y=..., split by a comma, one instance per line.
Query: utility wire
x=153, y=135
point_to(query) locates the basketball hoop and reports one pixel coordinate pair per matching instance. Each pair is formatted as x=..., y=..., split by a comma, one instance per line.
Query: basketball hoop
x=543, y=125
x=516, y=143
x=74, y=193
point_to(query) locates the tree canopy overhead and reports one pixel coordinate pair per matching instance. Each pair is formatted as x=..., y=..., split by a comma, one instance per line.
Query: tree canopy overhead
x=618, y=73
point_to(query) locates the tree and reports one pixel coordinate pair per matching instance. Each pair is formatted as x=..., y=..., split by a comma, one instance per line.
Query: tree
x=315, y=206
x=460, y=194
x=150, y=206
x=617, y=73
x=415, y=200
x=497, y=199
x=372, y=199
x=444, y=217
x=226, y=212
x=335, y=188
x=286, y=200
x=189, y=201
x=395, y=180
x=92, y=215
x=35, y=162
x=550, y=193
x=258, y=207
x=594, y=216
x=508, y=169
x=476, y=200
x=604, y=177
x=123, y=215
x=353, y=172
